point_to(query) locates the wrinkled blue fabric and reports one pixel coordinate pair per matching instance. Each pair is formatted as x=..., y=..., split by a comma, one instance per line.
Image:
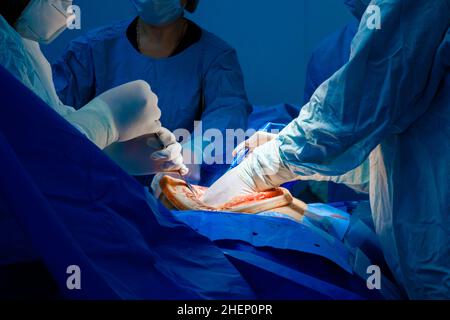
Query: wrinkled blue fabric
x=280, y=113
x=329, y=56
x=295, y=256
x=332, y=220
x=261, y=231
x=76, y=207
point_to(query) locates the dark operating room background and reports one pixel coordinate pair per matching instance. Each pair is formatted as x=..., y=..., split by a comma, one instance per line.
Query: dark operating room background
x=274, y=39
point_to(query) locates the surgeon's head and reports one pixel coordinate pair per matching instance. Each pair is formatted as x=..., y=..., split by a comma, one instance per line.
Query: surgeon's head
x=163, y=12
x=11, y=10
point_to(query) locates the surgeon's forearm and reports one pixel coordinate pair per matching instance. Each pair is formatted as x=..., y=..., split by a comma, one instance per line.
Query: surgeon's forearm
x=269, y=170
x=95, y=122
x=357, y=179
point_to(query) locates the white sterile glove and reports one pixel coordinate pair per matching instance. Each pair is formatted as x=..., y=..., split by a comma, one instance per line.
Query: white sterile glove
x=258, y=139
x=261, y=170
x=357, y=179
x=149, y=154
x=120, y=114
x=193, y=164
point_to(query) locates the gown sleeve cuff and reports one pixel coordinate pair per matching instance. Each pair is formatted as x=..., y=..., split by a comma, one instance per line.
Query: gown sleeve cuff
x=267, y=168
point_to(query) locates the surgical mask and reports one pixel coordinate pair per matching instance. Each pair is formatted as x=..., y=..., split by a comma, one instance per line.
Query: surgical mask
x=159, y=12
x=357, y=7
x=44, y=20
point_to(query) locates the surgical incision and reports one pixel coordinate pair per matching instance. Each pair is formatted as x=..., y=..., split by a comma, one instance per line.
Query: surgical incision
x=176, y=195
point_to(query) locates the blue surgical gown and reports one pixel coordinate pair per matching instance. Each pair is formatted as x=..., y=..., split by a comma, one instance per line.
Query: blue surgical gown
x=331, y=54
x=203, y=82
x=391, y=101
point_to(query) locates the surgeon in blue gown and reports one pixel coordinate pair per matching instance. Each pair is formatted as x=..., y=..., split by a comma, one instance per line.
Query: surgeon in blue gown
x=390, y=103
x=195, y=74
x=332, y=53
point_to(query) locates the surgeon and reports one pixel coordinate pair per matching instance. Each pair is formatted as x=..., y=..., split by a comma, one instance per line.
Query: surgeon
x=334, y=51
x=124, y=121
x=390, y=102
x=195, y=74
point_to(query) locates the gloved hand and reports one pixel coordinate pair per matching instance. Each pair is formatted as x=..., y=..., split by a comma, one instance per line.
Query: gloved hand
x=118, y=115
x=149, y=154
x=262, y=170
x=357, y=179
x=236, y=182
x=191, y=160
x=265, y=169
x=258, y=139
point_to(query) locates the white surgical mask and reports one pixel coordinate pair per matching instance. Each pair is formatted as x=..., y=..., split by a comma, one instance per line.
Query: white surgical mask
x=44, y=20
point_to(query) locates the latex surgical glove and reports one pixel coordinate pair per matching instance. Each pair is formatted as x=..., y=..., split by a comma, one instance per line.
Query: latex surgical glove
x=118, y=115
x=149, y=154
x=262, y=170
x=357, y=179
x=193, y=164
x=258, y=139
x=236, y=182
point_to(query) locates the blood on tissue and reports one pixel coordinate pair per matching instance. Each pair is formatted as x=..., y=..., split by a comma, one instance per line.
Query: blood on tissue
x=255, y=197
x=235, y=202
x=200, y=192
